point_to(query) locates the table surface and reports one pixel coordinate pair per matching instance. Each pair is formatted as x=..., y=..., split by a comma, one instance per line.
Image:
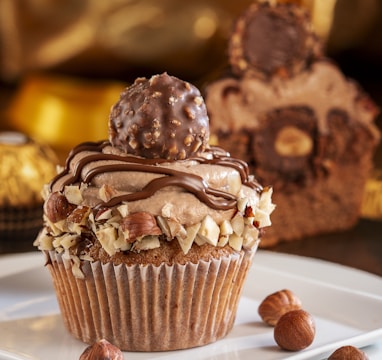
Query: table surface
x=359, y=247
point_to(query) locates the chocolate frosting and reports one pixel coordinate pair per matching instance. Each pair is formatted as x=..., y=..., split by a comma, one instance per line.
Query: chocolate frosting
x=162, y=117
x=229, y=112
x=92, y=153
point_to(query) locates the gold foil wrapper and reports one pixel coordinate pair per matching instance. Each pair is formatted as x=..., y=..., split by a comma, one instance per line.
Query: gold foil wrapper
x=372, y=200
x=25, y=166
x=63, y=111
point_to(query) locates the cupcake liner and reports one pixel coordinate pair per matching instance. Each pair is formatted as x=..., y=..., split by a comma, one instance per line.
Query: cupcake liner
x=150, y=308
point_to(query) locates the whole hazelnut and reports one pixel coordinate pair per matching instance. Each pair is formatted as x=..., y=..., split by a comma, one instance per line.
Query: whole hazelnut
x=295, y=330
x=57, y=207
x=348, y=352
x=277, y=304
x=102, y=350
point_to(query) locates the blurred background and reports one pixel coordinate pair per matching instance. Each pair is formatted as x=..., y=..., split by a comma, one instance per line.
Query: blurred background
x=64, y=62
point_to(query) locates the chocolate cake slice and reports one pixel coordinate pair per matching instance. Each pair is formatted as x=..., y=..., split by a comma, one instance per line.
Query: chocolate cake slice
x=302, y=126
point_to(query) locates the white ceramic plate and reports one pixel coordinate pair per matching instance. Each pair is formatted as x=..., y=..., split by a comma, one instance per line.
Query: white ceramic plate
x=346, y=304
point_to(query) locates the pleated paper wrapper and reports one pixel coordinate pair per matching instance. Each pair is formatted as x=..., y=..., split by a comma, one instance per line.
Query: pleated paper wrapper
x=151, y=308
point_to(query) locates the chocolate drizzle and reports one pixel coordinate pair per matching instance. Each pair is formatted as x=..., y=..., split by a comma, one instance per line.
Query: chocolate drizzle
x=217, y=199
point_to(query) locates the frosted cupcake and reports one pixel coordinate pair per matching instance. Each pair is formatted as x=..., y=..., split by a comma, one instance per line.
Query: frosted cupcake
x=149, y=236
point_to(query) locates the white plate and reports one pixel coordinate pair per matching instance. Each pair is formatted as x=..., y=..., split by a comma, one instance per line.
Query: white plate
x=345, y=303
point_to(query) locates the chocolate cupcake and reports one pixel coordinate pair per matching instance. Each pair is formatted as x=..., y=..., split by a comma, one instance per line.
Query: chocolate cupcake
x=149, y=235
x=298, y=122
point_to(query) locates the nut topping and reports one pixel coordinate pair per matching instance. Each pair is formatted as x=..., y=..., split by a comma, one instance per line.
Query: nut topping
x=139, y=224
x=57, y=207
x=79, y=215
x=106, y=192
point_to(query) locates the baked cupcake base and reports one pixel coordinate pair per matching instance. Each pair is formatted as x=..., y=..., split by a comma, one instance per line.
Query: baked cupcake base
x=175, y=306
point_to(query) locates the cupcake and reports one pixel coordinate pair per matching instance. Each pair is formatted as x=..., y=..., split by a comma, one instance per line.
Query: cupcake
x=149, y=235
x=25, y=165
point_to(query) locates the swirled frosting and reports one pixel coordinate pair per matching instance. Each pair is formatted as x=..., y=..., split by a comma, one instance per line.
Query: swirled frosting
x=207, y=184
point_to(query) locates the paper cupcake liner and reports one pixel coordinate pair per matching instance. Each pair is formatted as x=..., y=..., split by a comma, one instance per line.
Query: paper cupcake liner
x=151, y=308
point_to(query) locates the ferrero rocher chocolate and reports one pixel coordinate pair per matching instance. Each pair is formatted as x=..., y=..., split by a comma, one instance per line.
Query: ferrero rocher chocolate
x=161, y=117
x=269, y=40
x=25, y=166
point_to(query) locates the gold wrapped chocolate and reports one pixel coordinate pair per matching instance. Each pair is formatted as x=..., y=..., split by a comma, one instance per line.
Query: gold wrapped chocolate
x=62, y=111
x=25, y=167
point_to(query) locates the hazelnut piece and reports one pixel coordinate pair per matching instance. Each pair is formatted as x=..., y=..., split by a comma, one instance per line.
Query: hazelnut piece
x=102, y=350
x=348, y=352
x=295, y=330
x=292, y=141
x=139, y=224
x=277, y=304
x=57, y=207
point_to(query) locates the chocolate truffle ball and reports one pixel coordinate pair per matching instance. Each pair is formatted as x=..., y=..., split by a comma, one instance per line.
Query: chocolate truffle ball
x=272, y=40
x=162, y=117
